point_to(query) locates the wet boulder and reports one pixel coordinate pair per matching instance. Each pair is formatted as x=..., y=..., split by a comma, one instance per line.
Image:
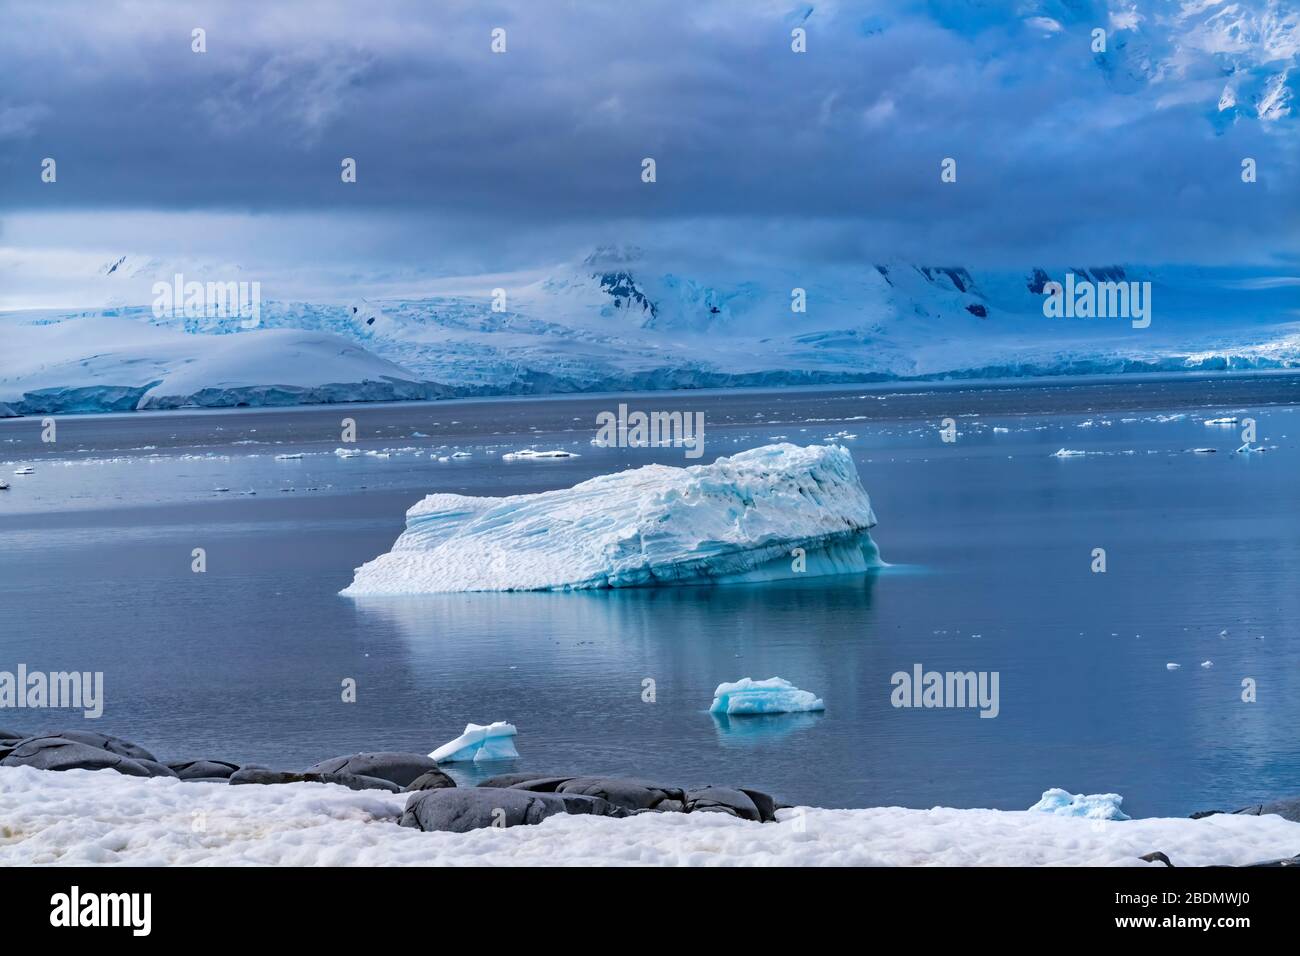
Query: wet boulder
x=630, y=794
x=463, y=809
x=395, y=767
x=203, y=769
x=431, y=780
x=353, y=781
x=723, y=800
x=62, y=753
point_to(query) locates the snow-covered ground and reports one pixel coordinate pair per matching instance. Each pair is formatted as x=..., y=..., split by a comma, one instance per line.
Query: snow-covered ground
x=742, y=518
x=619, y=319
x=80, y=817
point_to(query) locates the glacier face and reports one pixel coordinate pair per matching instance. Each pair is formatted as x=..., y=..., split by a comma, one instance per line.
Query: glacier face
x=739, y=519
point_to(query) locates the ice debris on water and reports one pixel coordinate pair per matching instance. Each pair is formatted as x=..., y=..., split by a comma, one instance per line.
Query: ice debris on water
x=771, y=696
x=1092, y=806
x=494, y=741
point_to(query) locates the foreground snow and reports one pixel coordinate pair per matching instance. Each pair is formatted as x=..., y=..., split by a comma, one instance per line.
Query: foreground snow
x=80, y=817
x=739, y=519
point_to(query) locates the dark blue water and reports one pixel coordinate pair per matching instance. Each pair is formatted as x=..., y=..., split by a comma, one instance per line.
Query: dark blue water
x=989, y=538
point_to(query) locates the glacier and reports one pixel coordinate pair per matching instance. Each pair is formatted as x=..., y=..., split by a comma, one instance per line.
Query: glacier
x=779, y=511
x=772, y=696
x=494, y=741
x=622, y=320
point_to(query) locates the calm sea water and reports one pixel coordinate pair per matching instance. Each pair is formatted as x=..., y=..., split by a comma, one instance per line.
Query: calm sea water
x=990, y=542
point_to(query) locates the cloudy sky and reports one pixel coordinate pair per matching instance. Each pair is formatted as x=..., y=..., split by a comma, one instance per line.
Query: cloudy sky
x=470, y=161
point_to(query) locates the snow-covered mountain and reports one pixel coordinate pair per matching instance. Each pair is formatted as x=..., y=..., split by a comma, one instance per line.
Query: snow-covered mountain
x=617, y=319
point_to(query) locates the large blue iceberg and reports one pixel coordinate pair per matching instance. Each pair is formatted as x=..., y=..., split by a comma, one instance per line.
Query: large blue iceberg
x=780, y=511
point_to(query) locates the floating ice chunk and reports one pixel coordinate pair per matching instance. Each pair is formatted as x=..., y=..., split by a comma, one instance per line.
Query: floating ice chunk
x=529, y=454
x=1207, y=663
x=998, y=429
x=1205, y=451
x=1068, y=453
x=25, y=470
x=4, y=485
x=289, y=457
x=347, y=452
x=1249, y=449
x=461, y=454
x=495, y=741
x=1221, y=421
x=1092, y=806
x=771, y=696
x=774, y=512
x=1172, y=667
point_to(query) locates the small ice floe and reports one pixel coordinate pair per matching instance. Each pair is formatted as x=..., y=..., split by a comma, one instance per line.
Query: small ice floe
x=1204, y=451
x=1068, y=453
x=1223, y=633
x=1221, y=421
x=4, y=485
x=1172, y=666
x=25, y=470
x=771, y=696
x=289, y=456
x=443, y=458
x=1249, y=449
x=1091, y=806
x=529, y=454
x=1207, y=664
x=347, y=452
x=999, y=430
x=494, y=741
x=461, y=454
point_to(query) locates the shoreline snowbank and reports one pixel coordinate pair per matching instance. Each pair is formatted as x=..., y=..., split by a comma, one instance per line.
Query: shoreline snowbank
x=82, y=817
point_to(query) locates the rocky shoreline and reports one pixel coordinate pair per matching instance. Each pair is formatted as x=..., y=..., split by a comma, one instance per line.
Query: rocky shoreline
x=436, y=803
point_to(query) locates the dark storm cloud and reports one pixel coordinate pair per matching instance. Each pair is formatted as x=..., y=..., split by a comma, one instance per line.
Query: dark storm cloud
x=836, y=151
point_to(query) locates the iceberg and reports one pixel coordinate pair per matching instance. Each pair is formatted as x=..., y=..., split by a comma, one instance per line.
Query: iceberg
x=771, y=696
x=779, y=511
x=1092, y=806
x=494, y=741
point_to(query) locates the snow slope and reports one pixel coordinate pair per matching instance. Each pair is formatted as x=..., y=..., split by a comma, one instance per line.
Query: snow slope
x=738, y=519
x=80, y=817
x=119, y=362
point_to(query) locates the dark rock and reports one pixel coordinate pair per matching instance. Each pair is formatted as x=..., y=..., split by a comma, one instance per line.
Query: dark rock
x=157, y=769
x=724, y=799
x=463, y=809
x=60, y=753
x=765, y=803
x=203, y=769
x=10, y=734
x=1287, y=809
x=1154, y=856
x=433, y=780
x=398, y=768
x=114, y=745
x=532, y=781
x=353, y=781
x=629, y=794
